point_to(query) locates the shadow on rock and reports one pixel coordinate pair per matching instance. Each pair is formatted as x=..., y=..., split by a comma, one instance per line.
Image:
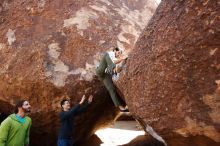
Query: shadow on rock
x=94, y=140
x=144, y=140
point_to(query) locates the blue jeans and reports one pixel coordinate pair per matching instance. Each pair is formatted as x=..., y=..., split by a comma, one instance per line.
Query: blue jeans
x=64, y=142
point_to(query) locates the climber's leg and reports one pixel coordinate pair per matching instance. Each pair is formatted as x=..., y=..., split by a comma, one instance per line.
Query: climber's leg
x=107, y=80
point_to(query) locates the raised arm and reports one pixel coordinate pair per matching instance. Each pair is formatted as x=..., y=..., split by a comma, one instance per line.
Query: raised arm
x=73, y=111
x=119, y=60
x=84, y=107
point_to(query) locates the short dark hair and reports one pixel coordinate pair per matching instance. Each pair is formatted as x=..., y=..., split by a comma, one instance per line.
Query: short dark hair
x=19, y=104
x=116, y=49
x=62, y=102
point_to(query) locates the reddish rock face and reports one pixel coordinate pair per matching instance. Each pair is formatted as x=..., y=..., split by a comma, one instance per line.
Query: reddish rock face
x=170, y=80
x=177, y=140
x=49, y=50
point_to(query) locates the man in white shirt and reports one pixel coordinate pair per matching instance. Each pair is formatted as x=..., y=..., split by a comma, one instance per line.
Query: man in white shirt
x=106, y=69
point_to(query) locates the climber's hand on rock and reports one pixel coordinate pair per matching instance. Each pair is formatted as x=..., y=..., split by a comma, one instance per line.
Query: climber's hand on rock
x=125, y=57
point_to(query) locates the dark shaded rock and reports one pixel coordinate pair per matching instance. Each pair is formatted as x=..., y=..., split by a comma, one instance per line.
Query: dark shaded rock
x=176, y=140
x=170, y=77
x=94, y=140
x=3, y=116
x=125, y=116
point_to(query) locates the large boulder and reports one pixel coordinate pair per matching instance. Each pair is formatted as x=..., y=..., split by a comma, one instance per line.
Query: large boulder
x=170, y=79
x=49, y=51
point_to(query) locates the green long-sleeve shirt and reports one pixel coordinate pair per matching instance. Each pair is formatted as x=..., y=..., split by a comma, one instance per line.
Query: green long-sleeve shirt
x=13, y=132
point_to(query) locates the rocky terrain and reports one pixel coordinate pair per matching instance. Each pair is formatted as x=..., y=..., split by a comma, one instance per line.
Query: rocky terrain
x=171, y=79
x=49, y=51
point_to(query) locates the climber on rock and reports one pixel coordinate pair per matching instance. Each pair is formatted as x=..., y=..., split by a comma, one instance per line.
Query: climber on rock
x=67, y=115
x=106, y=69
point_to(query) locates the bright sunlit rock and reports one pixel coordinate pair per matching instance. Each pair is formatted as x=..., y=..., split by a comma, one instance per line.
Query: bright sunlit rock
x=122, y=132
x=158, y=1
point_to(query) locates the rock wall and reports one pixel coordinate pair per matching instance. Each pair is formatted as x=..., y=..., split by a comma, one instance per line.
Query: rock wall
x=49, y=51
x=172, y=75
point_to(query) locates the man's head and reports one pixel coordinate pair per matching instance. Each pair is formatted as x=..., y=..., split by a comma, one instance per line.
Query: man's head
x=65, y=105
x=117, y=52
x=23, y=106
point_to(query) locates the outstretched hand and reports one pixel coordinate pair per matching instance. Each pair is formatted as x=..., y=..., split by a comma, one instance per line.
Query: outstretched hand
x=90, y=98
x=83, y=99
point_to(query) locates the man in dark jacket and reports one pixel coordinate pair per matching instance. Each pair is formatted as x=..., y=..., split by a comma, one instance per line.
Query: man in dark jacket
x=67, y=118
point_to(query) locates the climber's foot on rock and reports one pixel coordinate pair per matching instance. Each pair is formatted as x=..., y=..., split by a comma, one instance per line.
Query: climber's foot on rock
x=123, y=109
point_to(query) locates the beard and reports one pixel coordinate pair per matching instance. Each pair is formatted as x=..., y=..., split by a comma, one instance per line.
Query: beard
x=26, y=110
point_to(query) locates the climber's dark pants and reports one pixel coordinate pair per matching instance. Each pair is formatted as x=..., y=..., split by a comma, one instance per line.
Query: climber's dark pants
x=107, y=78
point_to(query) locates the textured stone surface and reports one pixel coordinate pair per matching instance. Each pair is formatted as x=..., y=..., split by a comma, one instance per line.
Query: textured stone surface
x=144, y=140
x=177, y=140
x=49, y=50
x=170, y=80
